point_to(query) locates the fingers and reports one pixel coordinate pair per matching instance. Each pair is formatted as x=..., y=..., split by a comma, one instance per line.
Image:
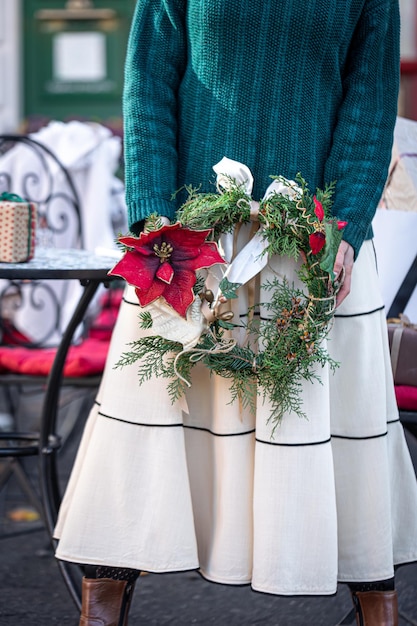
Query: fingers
x=340, y=259
x=344, y=290
x=344, y=264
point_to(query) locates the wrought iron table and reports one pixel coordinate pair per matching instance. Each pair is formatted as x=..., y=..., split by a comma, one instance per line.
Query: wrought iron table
x=92, y=271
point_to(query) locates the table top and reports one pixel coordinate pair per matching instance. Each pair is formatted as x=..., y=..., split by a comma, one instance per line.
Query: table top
x=57, y=263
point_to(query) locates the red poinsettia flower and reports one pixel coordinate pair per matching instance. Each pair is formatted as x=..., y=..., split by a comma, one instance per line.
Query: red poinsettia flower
x=341, y=225
x=163, y=263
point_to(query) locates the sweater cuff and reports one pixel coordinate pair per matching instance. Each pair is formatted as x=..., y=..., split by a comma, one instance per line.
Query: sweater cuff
x=138, y=211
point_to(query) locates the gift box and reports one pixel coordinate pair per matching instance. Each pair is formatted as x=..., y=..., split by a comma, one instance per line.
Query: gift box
x=17, y=229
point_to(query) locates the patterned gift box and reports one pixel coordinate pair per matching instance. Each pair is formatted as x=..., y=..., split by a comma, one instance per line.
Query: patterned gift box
x=17, y=229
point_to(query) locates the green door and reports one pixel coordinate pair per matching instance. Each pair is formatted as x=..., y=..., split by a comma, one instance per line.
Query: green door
x=74, y=54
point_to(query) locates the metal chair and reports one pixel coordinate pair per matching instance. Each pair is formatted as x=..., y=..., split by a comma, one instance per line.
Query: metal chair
x=31, y=170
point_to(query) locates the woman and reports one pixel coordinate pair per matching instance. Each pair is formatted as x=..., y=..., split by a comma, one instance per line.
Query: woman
x=283, y=87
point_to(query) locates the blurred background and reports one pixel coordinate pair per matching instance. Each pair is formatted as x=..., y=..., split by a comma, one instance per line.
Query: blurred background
x=62, y=60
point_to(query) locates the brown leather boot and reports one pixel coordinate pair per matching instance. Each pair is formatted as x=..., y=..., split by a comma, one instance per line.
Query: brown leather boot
x=376, y=608
x=105, y=602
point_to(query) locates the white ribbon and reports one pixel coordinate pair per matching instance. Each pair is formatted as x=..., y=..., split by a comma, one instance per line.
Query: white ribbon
x=233, y=174
x=251, y=259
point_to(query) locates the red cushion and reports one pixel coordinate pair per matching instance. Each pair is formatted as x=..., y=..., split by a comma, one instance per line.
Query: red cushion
x=87, y=359
x=406, y=397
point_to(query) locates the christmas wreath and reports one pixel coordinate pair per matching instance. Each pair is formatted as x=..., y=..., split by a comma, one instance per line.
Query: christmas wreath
x=187, y=321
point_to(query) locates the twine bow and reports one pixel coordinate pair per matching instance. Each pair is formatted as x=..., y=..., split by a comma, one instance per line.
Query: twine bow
x=197, y=354
x=10, y=197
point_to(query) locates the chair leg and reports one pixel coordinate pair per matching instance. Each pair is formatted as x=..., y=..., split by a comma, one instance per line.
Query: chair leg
x=27, y=486
x=10, y=467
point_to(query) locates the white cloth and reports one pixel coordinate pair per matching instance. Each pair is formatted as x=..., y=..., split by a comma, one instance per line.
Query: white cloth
x=91, y=154
x=162, y=487
x=401, y=190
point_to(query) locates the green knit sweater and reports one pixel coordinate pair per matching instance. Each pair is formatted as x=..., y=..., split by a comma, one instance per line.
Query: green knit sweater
x=284, y=86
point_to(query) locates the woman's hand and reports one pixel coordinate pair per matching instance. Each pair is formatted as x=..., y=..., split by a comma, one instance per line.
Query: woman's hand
x=344, y=263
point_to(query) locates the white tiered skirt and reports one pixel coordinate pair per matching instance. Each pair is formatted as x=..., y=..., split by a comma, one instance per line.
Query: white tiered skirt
x=202, y=484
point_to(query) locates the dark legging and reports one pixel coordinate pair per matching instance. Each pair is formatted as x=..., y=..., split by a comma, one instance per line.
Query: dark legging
x=115, y=573
x=380, y=585
x=130, y=575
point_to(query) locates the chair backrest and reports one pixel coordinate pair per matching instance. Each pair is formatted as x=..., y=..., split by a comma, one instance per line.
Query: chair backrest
x=404, y=292
x=31, y=170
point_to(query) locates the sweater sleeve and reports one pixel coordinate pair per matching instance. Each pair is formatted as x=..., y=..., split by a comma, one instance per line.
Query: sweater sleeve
x=155, y=62
x=362, y=140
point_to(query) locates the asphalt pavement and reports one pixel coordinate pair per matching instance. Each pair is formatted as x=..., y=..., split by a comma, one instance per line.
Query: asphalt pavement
x=33, y=593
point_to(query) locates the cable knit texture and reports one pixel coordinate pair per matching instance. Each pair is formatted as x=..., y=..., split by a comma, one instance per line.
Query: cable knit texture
x=309, y=86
